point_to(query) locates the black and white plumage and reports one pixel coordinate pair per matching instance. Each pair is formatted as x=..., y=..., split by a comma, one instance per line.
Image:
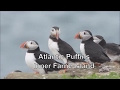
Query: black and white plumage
x=59, y=47
x=90, y=48
x=119, y=46
x=35, y=59
x=111, y=49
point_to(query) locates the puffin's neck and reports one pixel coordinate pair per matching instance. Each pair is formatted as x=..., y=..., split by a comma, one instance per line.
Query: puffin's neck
x=91, y=39
x=53, y=38
x=33, y=51
x=102, y=43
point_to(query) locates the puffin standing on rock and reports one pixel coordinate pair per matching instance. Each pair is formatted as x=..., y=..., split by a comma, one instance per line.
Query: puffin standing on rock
x=91, y=49
x=59, y=47
x=111, y=49
x=34, y=58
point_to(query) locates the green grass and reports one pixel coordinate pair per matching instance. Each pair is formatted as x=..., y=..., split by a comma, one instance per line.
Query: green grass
x=112, y=75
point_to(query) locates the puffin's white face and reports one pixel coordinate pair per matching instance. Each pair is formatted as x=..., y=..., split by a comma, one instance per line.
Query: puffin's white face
x=84, y=35
x=30, y=45
x=55, y=33
x=96, y=40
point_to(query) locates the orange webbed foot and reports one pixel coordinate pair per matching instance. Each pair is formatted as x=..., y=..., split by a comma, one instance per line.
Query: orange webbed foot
x=37, y=73
x=62, y=71
x=97, y=64
x=84, y=63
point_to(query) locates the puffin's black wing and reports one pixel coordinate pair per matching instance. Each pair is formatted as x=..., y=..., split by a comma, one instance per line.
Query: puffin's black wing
x=96, y=52
x=65, y=48
x=119, y=46
x=46, y=61
x=112, y=48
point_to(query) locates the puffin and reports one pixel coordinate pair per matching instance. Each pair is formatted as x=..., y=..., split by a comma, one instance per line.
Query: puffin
x=59, y=47
x=111, y=49
x=39, y=61
x=92, y=51
x=17, y=71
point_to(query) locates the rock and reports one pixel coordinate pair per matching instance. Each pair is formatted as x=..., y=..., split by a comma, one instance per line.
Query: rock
x=22, y=75
x=71, y=72
x=105, y=69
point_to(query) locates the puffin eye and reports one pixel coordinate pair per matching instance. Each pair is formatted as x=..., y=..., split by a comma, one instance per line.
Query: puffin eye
x=84, y=33
x=53, y=29
x=31, y=43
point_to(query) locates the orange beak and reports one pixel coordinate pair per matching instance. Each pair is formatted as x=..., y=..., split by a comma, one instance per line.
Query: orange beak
x=23, y=45
x=78, y=36
x=57, y=35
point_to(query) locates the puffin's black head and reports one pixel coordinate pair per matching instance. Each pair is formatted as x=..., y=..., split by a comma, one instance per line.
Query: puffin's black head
x=84, y=35
x=56, y=27
x=35, y=42
x=88, y=32
x=99, y=40
x=30, y=45
x=55, y=32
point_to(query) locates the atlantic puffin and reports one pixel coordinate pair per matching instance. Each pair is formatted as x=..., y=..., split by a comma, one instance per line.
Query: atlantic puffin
x=111, y=49
x=57, y=46
x=35, y=59
x=91, y=50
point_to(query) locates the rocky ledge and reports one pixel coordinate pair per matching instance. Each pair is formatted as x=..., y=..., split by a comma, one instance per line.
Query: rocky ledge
x=104, y=69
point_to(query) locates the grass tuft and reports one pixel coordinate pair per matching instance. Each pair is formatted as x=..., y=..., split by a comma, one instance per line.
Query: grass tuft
x=111, y=75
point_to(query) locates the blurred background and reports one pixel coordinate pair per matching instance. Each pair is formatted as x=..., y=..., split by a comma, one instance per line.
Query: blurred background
x=20, y=26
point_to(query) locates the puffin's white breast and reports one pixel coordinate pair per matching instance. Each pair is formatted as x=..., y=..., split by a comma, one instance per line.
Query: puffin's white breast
x=30, y=61
x=53, y=47
x=82, y=49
